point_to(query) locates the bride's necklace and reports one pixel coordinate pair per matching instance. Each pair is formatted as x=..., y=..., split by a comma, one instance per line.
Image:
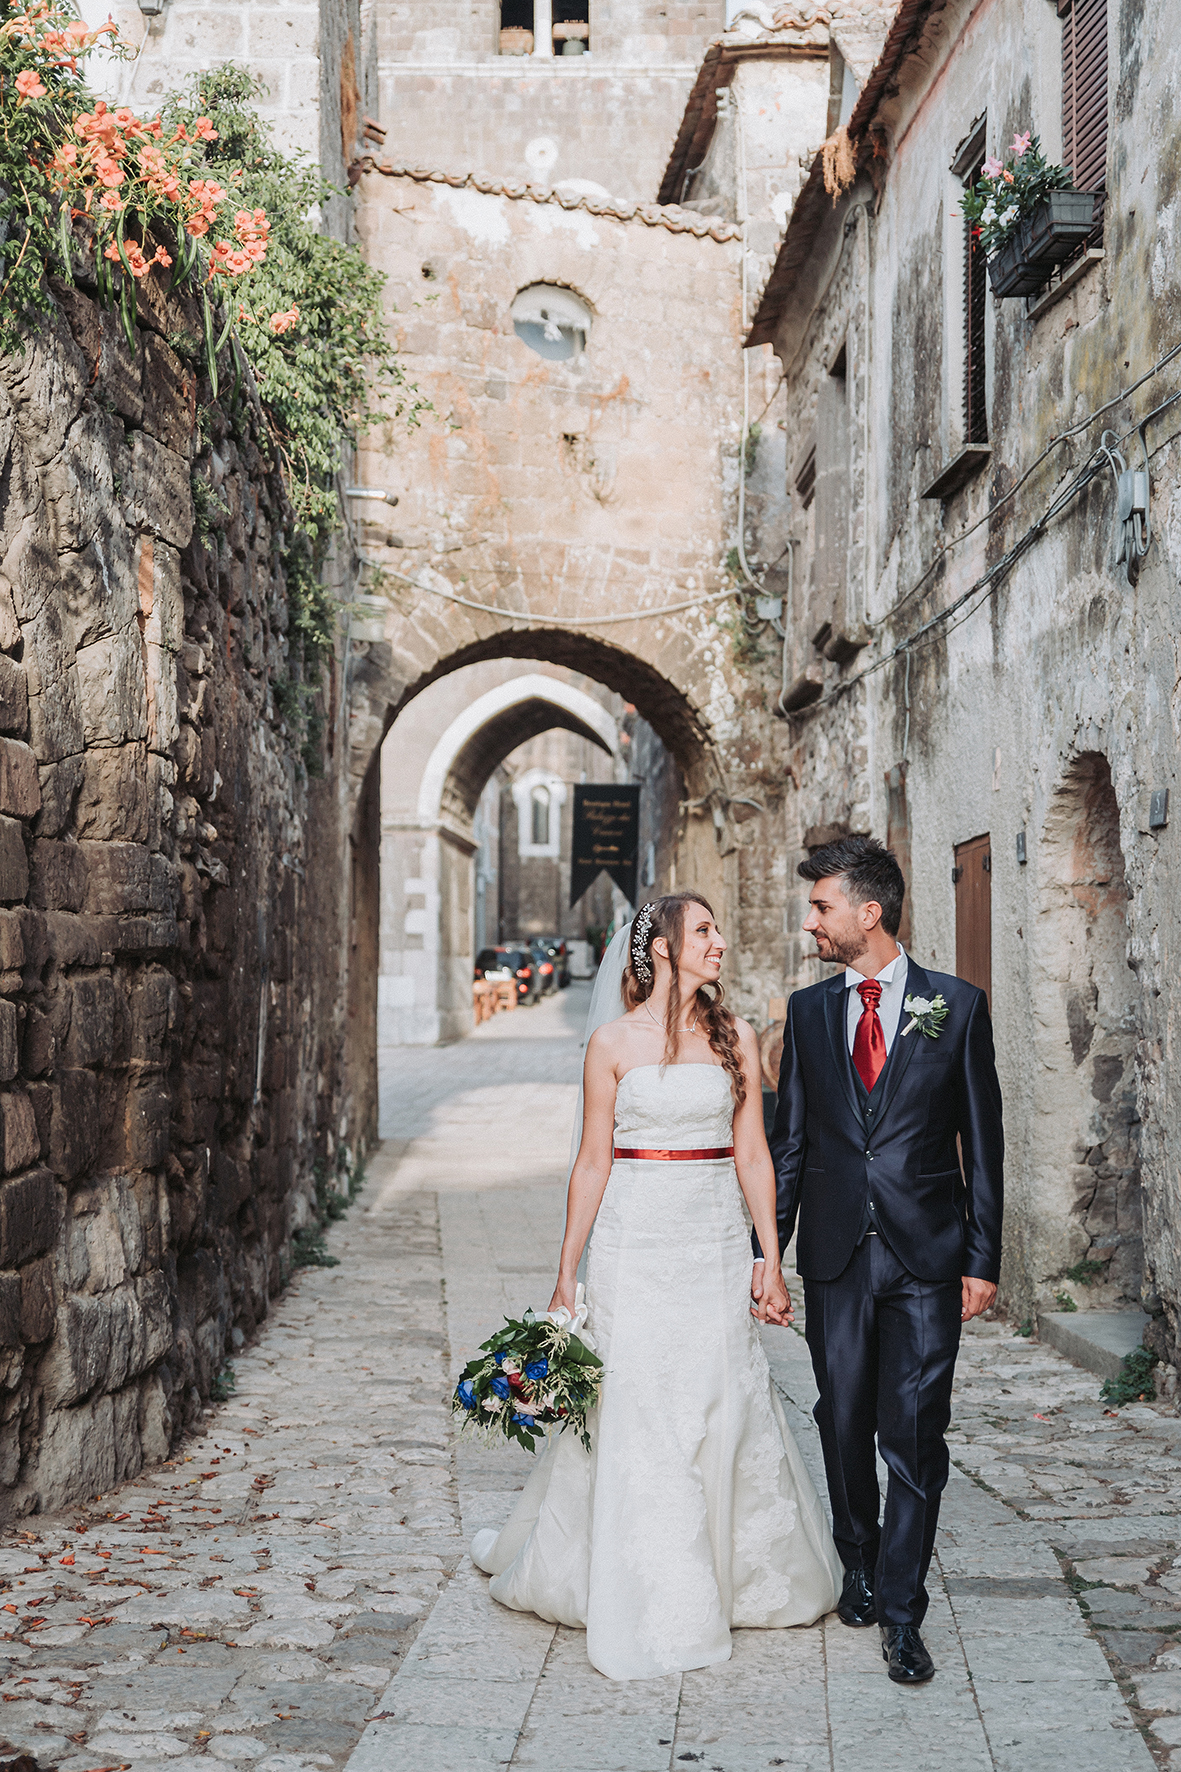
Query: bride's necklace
x=690, y=1029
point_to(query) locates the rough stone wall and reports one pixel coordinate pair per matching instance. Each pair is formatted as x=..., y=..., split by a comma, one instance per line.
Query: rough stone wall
x=1050, y=712
x=168, y=1039
x=662, y=806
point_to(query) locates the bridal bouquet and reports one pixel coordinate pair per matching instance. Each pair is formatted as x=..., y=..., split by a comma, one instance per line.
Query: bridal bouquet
x=537, y=1371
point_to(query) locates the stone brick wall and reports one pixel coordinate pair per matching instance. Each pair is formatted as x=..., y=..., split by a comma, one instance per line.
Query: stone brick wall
x=621, y=30
x=449, y=99
x=281, y=45
x=587, y=489
x=616, y=129
x=168, y=1047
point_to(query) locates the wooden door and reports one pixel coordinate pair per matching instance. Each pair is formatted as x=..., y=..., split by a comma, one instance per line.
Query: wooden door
x=973, y=913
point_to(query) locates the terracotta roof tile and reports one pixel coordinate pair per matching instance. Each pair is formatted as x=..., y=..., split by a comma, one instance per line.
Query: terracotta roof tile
x=653, y=215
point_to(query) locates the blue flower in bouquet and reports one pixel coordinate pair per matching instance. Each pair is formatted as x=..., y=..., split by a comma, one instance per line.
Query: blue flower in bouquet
x=501, y=1387
x=523, y=1420
x=501, y=1357
x=536, y=1369
x=466, y=1392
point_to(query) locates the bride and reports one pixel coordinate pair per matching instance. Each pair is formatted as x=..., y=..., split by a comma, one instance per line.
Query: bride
x=693, y=1512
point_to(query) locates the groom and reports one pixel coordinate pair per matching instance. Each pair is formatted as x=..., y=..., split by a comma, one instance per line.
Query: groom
x=884, y=1069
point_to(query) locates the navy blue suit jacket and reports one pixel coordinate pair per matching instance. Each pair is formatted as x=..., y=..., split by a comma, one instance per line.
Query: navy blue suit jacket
x=831, y=1159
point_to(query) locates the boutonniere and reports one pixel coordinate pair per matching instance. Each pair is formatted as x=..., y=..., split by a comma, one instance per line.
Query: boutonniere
x=927, y=1014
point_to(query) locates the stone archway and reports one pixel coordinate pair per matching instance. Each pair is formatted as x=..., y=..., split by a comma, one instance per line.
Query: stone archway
x=671, y=672
x=429, y=845
x=474, y=742
x=1085, y=1232
x=580, y=512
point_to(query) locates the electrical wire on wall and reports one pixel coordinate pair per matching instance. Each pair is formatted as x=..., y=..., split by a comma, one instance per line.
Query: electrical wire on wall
x=1005, y=497
x=546, y=621
x=985, y=587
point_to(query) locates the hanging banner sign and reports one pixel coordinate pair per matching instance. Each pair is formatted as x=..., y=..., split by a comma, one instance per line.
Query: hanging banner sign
x=606, y=837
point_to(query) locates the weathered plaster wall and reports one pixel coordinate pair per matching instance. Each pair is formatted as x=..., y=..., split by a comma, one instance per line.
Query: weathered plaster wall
x=169, y=1031
x=1052, y=709
x=770, y=122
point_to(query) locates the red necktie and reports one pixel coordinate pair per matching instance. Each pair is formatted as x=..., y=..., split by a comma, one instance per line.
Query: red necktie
x=869, y=1042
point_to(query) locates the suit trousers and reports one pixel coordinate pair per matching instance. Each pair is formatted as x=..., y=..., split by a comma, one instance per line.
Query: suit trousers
x=883, y=1348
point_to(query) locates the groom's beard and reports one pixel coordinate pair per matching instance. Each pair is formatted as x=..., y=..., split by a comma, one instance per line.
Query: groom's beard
x=841, y=951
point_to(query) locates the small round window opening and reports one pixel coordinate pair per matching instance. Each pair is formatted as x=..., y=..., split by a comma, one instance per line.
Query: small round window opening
x=551, y=321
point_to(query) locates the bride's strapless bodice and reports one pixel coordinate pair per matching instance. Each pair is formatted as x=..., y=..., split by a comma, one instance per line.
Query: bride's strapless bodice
x=677, y=1107
x=688, y=1203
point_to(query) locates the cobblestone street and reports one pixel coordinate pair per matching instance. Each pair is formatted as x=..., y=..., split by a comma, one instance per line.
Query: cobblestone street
x=292, y=1590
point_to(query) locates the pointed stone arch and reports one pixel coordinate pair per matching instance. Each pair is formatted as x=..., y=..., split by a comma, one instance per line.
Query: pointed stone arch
x=476, y=741
x=1082, y=1220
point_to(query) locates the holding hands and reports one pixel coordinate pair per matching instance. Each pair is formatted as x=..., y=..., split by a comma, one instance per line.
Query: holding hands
x=770, y=1301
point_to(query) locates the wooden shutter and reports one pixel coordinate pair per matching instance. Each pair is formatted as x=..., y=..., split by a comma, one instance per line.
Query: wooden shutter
x=1084, y=93
x=973, y=912
x=975, y=284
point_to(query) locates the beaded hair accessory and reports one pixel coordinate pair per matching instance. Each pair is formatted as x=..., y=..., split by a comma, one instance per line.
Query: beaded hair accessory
x=641, y=930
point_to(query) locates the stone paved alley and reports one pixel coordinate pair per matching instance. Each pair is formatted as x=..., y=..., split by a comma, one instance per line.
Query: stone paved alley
x=292, y=1591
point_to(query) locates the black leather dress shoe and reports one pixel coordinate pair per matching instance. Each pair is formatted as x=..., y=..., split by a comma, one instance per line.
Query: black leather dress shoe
x=856, y=1604
x=906, y=1653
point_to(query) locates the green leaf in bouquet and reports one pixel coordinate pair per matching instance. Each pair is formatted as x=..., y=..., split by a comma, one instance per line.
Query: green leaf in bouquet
x=578, y=1350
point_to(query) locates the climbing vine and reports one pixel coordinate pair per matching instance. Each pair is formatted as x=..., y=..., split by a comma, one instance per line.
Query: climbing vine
x=311, y=329
x=155, y=196
x=311, y=322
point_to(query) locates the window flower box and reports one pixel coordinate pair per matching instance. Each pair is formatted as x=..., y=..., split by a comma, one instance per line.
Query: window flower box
x=1042, y=239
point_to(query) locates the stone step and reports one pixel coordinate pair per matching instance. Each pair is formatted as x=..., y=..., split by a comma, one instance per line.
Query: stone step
x=1096, y=1340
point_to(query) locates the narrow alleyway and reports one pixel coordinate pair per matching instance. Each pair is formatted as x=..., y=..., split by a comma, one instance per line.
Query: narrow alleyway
x=292, y=1591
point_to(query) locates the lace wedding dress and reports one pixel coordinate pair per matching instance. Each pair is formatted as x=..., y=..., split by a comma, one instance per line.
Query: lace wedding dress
x=693, y=1512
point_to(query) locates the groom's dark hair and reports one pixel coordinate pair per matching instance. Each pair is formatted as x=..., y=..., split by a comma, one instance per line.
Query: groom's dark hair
x=868, y=872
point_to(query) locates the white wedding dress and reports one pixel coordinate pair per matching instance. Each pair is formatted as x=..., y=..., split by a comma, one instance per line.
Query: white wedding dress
x=693, y=1512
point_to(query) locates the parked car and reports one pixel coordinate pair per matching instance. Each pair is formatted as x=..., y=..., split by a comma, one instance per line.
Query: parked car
x=511, y=962
x=545, y=966
x=559, y=953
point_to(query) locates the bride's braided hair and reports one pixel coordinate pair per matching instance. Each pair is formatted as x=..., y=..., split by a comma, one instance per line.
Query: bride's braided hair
x=666, y=917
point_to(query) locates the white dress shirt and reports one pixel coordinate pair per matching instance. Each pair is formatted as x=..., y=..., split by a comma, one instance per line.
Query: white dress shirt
x=892, y=979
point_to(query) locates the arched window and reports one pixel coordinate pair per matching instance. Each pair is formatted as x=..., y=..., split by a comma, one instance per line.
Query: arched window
x=540, y=817
x=539, y=796
x=551, y=321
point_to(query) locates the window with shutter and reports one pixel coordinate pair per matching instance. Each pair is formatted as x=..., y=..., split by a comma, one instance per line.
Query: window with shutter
x=1084, y=98
x=975, y=284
